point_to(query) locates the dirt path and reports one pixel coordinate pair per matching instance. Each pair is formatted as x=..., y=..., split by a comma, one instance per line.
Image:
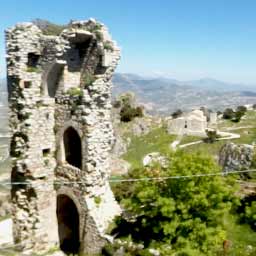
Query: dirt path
x=238, y=128
x=225, y=136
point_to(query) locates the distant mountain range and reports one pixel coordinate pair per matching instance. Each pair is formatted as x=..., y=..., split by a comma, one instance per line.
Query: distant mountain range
x=164, y=95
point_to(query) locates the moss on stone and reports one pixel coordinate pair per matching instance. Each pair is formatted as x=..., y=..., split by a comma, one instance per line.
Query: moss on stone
x=108, y=46
x=75, y=91
x=33, y=70
x=97, y=200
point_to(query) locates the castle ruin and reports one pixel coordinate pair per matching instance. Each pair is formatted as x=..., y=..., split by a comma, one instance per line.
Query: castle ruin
x=60, y=102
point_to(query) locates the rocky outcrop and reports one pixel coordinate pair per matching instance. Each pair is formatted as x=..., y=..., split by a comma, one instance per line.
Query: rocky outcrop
x=141, y=126
x=119, y=166
x=234, y=157
x=155, y=158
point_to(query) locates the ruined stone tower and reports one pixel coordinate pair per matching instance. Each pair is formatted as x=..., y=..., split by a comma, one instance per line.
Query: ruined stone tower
x=60, y=101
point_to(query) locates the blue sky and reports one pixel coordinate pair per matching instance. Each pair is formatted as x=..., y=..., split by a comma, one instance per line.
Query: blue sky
x=183, y=39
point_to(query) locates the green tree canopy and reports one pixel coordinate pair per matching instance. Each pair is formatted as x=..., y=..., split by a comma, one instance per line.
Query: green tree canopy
x=182, y=215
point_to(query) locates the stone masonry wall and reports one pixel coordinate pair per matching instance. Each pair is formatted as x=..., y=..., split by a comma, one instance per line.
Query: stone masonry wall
x=59, y=84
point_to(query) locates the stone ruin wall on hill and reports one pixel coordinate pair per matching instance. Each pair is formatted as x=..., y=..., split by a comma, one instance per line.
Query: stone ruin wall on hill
x=60, y=100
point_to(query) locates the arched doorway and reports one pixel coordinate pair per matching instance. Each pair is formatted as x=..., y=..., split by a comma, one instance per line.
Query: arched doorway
x=73, y=147
x=68, y=225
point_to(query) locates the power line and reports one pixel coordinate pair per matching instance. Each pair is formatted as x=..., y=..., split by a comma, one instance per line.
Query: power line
x=182, y=176
x=129, y=179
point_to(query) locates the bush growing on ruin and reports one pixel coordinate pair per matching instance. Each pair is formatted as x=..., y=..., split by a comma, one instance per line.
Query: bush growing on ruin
x=181, y=216
x=75, y=91
x=88, y=79
x=108, y=46
x=33, y=69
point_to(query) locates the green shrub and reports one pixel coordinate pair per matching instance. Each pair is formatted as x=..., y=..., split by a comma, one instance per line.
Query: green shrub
x=228, y=113
x=33, y=69
x=97, y=200
x=247, y=210
x=96, y=30
x=75, y=91
x=128, y=113
x=99, y=35
x=177, y=216
x=108, y=46
x=212, y=136
x=241, y=109
x=88, y=79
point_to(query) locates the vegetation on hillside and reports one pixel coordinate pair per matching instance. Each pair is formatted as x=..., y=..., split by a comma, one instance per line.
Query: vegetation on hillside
x=178, y=216
x=234, y=116
x=49, y=28
x=158, y=140
x=126, y=105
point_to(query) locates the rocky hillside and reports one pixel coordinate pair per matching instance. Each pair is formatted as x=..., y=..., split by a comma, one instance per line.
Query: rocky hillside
x=163, y=96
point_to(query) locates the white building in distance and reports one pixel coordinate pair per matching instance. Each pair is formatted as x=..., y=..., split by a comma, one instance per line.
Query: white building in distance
x=193, y=123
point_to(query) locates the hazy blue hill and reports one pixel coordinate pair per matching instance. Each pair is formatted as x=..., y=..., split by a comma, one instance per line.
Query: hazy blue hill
x=214, y=84
x=163, y=95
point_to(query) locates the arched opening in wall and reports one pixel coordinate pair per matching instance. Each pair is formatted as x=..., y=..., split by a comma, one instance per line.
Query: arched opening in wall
x=53, y=79
x=73, y=147
x=68, y=225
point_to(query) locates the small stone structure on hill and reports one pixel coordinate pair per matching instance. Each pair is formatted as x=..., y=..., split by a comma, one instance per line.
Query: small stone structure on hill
x=60, y=101
x=193, y=123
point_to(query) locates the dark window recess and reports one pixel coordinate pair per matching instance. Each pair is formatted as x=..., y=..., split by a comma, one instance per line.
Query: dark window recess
x=27, y=84
x=68, y=225
x=47, y=115
x=33, y=60
x=82, y=48
x=186, y=125
x=73, y=147
x=46, y=152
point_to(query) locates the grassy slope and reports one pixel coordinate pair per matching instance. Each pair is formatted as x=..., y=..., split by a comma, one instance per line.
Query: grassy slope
x=241, y=236
x=248, y=135
x=158, y=140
